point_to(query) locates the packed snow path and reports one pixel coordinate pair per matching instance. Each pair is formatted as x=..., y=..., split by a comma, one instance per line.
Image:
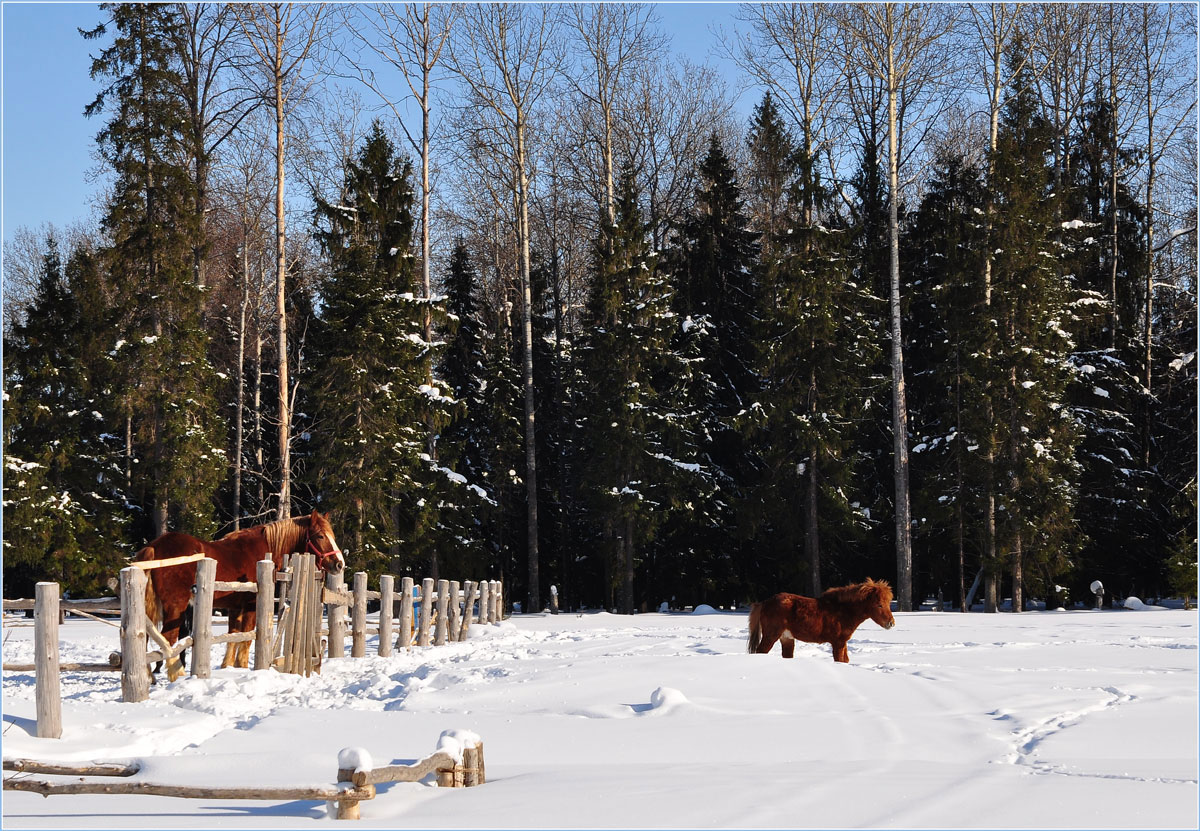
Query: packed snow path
x=1045, y=719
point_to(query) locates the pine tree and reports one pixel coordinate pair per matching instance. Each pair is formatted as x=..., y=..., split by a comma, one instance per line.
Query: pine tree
x=772, y=166
x=167, y=391
x=368, y=378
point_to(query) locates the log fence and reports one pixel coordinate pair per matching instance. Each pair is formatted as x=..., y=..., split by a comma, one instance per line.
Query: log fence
x=290, y=641
x=353, y=786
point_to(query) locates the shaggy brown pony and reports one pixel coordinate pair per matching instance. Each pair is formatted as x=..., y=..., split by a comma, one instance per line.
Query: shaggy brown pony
x=830, y=618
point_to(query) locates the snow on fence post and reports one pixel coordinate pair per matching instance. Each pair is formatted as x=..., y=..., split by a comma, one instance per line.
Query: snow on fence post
x=404, y=641
x=468, y=605
x=358, y=617
x=452, y=619
x=336, y=582
x=443, y=608
x=387, y=608
x=483, y=601
x=45, y=657
x=426, y=611
x=264, y=608
x=135, y=675
x=202, y=605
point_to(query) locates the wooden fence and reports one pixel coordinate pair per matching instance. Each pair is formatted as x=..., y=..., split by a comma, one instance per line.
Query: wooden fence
x=354, y=784
x=291, y=644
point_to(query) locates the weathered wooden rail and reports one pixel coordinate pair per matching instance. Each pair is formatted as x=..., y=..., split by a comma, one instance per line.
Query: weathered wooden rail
x=464, y=768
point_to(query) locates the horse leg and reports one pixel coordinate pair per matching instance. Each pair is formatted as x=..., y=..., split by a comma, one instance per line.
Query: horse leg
x=249, y=619
x=770, y=633
x=839, y=652
x=235, y=625
x=787, y=644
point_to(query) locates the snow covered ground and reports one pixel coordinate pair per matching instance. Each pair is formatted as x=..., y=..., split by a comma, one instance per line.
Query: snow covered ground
x=1046, y=719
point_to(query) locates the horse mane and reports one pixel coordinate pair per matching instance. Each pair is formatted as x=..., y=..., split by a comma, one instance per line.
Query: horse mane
x=282, y=535
x=870, y=590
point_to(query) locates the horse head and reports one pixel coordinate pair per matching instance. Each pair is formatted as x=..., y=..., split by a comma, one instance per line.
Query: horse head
x=880, y=594
x=322, y=543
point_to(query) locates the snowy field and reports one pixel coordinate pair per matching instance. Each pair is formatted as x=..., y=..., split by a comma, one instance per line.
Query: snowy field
x=1045, y=720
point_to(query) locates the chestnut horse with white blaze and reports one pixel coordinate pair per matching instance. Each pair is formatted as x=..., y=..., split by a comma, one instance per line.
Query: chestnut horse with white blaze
x=830, y=618
x=169, y=589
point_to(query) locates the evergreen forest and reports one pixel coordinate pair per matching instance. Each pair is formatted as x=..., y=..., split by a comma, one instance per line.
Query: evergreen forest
x=513, y=292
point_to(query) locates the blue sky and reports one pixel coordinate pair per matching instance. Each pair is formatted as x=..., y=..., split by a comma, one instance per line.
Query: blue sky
x=48, y=144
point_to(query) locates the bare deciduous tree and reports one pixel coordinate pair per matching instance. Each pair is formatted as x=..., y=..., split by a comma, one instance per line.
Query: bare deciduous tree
x=508, y=55
x=282, y=35
x=897, y=44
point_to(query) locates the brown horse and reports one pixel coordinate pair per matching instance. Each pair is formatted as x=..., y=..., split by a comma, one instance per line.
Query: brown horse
x=169, y=589
x=830, y=618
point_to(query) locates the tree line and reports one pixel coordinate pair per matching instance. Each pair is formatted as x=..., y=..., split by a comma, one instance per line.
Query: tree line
x=511, y=291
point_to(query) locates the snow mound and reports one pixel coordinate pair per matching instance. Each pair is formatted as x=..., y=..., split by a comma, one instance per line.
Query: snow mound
x=455, y=742
x=666, y=699
x=1136, y=604
x=704, y=609
x=354, y=758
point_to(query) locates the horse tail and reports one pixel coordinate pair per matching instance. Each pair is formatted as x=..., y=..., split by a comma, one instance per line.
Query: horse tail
x=755, y=628
x=154, y=609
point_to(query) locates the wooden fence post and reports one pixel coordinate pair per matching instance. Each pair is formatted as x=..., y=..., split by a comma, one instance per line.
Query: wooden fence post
x=135, y=675
x=387, y=608
x=483, y=601
x=468, y=603
x=453, y=617
x=358, y=617
x=45, y=657
x=443, y=609
x=426, y=611
x=498, y=602
x=473, y=772
x=334, y=581
x=406, y=613
x=264, y=609
x=202, y=606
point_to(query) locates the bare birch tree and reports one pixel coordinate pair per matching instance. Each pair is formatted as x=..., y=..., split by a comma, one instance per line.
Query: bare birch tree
x=508, y=55
x=282, y=35
x=895, y=44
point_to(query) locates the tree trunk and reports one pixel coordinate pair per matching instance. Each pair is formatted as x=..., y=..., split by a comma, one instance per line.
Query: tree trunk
x=904, y=585
x=527, y=370
x=240, y=375
x=285, y=466
x=812, y=538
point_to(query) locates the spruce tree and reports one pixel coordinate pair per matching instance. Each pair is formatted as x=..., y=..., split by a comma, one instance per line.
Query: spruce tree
x=815, y=351
x=1036, y=433
x=717, y=297
x=63, y=489
x=628, y=428
x=167, y=389
x=368, y=378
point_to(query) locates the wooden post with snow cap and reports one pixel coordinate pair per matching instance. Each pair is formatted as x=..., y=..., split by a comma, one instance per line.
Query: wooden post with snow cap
x=264, y=608
x=452, y=619
x=498, y=602
x=387, y=608
x=135, y=675
x=335, y=582
x=404, y=641
x=468, y=604
x=423, y=638
x=358, y=617
x=202, y=607
x=354, y=773
x=443, y=608
x=45, y=658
